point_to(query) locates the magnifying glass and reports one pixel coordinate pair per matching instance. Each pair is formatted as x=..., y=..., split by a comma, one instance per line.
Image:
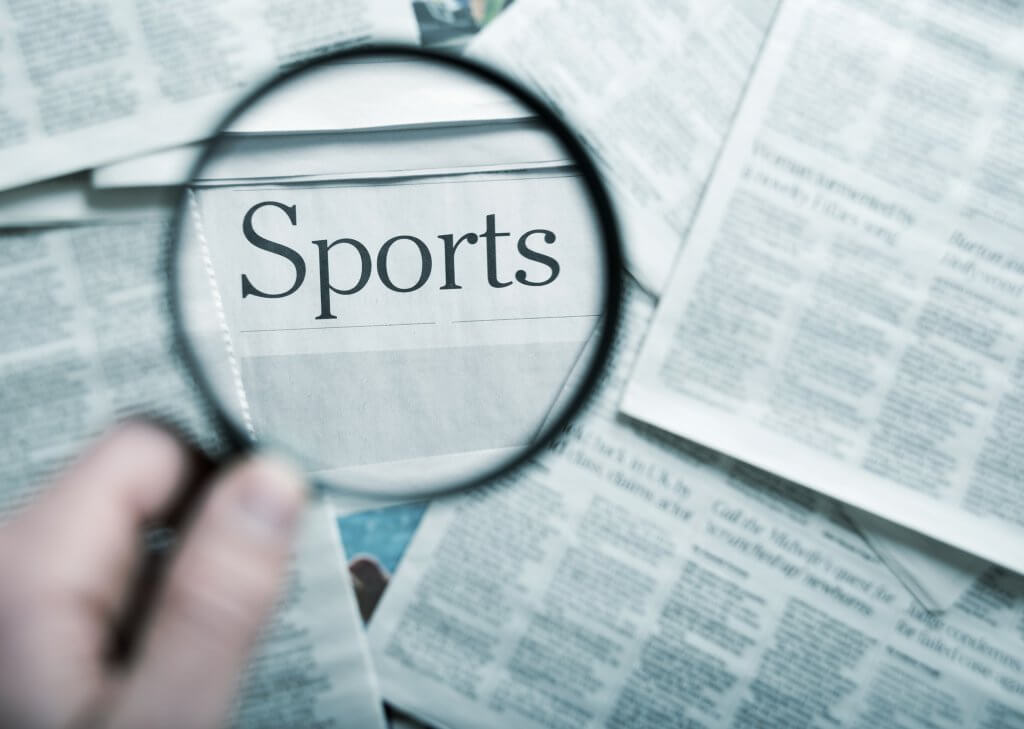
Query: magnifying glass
x=398, y=267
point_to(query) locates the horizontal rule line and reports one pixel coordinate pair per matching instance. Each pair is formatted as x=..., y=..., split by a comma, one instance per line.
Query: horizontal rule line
x=527, y=318
x=418, y=323
x=342, y=326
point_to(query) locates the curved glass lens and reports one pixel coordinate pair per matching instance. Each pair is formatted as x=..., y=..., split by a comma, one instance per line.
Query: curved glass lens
x=391, y=267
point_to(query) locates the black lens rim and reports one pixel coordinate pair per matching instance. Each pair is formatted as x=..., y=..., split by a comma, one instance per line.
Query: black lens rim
x=237, y=439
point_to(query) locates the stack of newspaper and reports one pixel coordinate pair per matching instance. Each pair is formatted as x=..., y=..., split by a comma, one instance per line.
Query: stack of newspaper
x=798, y=500
x=826, y=198
x=86, y=337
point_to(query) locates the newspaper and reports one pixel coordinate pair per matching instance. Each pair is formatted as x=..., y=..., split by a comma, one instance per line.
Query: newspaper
x=71, y=199
x=936, y=574
x=447, y=360
x=846, y=311
x=722, y=43
x=381, y=93
x=626, y=581
x=86, y=340
x=312, y=669
x=652, y=96
x=408, y=352
x=86, y=84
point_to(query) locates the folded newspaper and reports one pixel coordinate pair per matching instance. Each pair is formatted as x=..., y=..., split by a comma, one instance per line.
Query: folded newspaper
x=846, y=311
x=722, y=44
x=636, y=581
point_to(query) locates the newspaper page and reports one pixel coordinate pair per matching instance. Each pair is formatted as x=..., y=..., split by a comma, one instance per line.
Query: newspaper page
x=312, y=668
x=88, y=83
x=652, y=96
x=71, y=199
x=322, y=295
x=380, y=93
x=653, y=173
x=935, y=573
x=626, y=581
x=439, y=26
x=407, y=352
x=87, y=340
x=847, y=310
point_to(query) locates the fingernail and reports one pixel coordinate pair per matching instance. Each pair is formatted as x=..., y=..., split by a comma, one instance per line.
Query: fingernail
x=272, y=497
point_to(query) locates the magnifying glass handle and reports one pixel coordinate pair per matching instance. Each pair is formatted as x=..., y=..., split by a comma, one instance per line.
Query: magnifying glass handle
x=161, y=537
x=160, y=540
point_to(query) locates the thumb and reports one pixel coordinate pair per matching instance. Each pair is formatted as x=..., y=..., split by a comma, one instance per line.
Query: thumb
x=218, y=592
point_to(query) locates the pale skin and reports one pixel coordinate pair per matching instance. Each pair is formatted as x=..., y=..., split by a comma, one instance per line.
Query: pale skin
x=69, y=563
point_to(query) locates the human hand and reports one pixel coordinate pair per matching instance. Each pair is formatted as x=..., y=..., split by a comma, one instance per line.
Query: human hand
x=68, y=564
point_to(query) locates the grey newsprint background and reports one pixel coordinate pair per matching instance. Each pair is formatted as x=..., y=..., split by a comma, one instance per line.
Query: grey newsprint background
x=822, y=204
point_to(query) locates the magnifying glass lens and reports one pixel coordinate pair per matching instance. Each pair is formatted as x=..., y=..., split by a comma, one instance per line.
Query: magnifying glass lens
x=393, y=267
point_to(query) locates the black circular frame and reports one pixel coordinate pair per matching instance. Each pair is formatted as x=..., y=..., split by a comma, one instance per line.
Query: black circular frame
x=602, y=207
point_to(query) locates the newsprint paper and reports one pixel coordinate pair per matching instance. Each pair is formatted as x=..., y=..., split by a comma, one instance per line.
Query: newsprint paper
x=82, y=84
x=847, y=311
x=651, y=87
x=629, y=583
x=87, y=339
x=658, y=162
